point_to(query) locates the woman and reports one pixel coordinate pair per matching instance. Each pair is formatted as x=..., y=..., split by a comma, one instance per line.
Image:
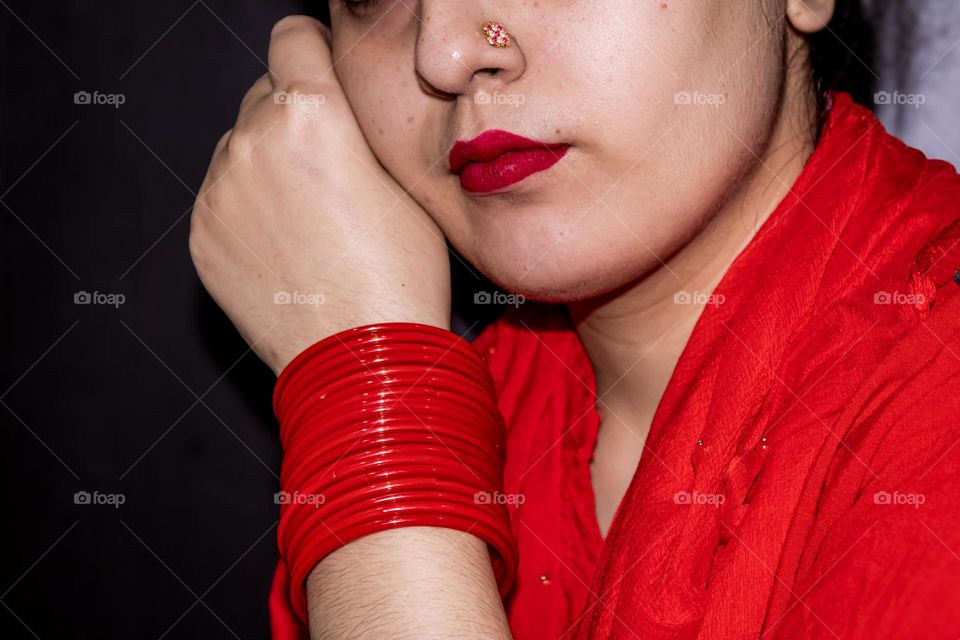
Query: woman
x=740, y=422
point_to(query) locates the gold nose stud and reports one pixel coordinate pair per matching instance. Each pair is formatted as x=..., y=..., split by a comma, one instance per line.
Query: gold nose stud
x=496, y=34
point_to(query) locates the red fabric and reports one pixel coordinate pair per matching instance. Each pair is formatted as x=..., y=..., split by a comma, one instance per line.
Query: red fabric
x=829, y=423
x=856, y=401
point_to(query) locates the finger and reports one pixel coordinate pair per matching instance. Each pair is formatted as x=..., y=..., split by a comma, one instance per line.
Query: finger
x=299, y=52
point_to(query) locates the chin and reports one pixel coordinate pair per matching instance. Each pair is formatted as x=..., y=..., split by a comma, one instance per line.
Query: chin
x=562, y=275
x=550, y=251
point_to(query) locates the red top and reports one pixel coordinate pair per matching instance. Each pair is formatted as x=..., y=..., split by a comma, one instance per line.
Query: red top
x=817, y=402
x=801, y=477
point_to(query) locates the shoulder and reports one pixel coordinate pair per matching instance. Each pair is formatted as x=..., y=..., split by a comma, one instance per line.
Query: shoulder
x=884, y=552
x=523, y=333
x=533, y=353
x=888, y=299
x=888, y=566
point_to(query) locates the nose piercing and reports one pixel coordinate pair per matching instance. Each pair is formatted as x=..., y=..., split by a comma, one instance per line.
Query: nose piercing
x=496, y=34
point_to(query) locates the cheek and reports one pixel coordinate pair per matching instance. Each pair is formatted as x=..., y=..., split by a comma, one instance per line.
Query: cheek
x=380, y=95
x=684, y=102
x=700, y=77
x=661, y=105
x=667, y=131
x=399, y=123
x=376, y=70
x=403, y=126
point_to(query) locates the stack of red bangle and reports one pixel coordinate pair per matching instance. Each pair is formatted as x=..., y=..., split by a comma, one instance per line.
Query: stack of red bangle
x=385, y=426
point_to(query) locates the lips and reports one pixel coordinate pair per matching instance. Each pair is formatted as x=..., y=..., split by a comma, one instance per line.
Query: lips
x=496, y=159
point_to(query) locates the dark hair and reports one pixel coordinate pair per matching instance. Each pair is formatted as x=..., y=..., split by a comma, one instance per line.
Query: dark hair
x=842, y=55
x=319, y=9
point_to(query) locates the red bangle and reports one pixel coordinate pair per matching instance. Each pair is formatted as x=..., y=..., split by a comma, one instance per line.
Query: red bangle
x=386, y=426
x=423, y=345
x=343, y=403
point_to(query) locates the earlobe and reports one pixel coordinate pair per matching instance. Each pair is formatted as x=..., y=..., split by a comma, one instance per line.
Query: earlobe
x=810, y=16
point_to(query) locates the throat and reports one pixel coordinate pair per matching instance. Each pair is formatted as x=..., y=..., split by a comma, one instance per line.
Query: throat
x=614, y=463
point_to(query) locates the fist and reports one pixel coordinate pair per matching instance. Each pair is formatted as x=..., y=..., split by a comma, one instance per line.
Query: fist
x=298, y=232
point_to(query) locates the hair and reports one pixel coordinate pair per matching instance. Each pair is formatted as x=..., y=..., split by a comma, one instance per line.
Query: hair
x=843, y=54
x=319, y=9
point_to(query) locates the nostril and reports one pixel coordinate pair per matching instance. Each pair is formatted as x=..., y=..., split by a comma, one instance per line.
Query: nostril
x=492, y=71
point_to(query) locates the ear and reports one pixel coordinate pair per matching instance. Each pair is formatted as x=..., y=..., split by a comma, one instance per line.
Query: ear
x=810, y=16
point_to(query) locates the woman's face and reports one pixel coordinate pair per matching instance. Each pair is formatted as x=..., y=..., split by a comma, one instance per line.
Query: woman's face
x=658, y=108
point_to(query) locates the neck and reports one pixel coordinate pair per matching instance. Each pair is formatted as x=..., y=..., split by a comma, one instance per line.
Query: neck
x=635, y=335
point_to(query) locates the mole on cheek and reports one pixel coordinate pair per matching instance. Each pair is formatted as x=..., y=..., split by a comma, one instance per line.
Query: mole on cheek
x=409, y=119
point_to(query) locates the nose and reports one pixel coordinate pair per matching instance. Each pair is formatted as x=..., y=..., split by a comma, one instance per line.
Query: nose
x=453, y=54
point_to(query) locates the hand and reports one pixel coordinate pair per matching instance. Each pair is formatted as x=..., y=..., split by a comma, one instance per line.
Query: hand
x=295, y=203
x=298, y=232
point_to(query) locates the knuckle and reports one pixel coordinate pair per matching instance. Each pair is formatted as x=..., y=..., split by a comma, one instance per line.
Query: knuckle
x=256, y=91
x=239, y=144
x=195, y=242
x=222, y=142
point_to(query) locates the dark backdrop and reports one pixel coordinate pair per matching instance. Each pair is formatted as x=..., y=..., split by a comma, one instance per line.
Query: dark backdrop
x=139, y=450
x=152, y=399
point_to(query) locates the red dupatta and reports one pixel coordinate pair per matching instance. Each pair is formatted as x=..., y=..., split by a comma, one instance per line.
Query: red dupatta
x=821, y=400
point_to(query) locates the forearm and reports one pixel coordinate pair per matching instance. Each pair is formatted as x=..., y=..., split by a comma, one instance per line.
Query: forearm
x=413, y=582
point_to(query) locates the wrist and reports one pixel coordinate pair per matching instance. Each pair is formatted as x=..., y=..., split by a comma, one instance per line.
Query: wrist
x=389, y=426
x=280, y=353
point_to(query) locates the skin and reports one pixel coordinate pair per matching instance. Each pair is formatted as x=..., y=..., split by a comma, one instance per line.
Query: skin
x=350, y=197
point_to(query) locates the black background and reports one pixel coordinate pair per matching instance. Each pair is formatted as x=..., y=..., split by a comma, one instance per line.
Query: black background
x=158, y=400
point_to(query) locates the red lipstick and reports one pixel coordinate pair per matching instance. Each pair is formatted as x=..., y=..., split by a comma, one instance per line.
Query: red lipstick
x=497, y=159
